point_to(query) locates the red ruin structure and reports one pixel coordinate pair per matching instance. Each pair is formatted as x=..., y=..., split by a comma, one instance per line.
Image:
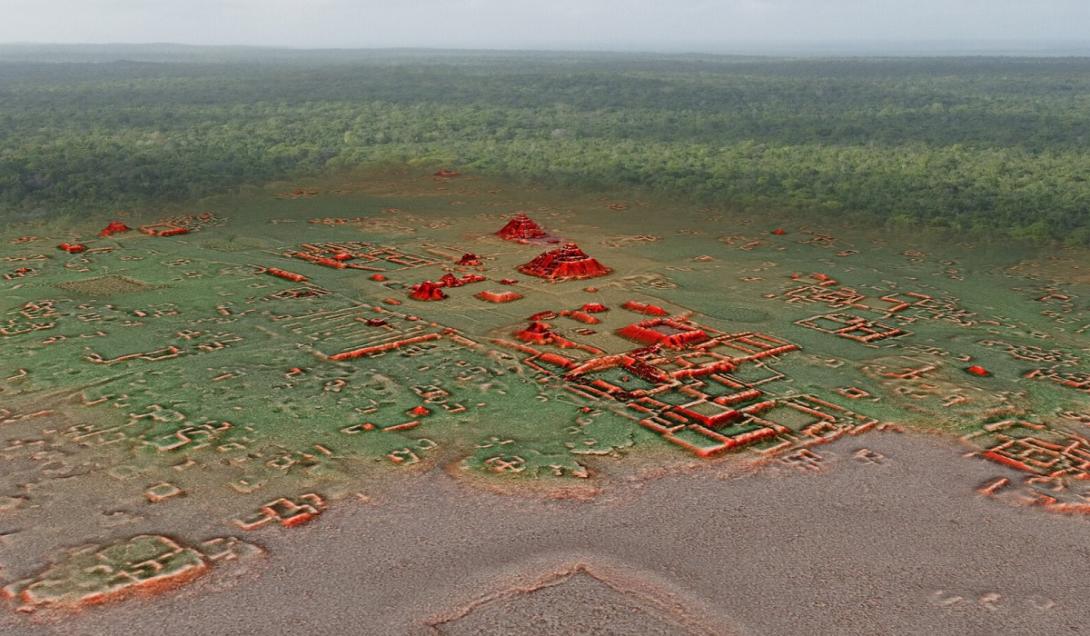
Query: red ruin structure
x=449, y=280
x=565, y=263
x=164, y=229
x=335, y=263
x=536, y=332
x=286, y=275
x=72, y=248
x=420, y=411
x=498, y=297
x=427, y=290
x=644, y=308
x=521, y=228
x=432, y=290
x=664, y=332
x=446, y=173
x=115, y=227
x=469, y=259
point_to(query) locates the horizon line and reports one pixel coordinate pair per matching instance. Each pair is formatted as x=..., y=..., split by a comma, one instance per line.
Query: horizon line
x=879, y=47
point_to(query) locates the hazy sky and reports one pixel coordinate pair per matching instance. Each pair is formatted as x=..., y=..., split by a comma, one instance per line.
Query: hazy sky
x=594, y=24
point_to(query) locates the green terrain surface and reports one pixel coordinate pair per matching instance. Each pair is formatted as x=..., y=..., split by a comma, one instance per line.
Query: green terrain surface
x=786, y=253
x=180, y=360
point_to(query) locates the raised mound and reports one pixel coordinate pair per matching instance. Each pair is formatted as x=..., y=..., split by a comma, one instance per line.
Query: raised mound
x=105, y=286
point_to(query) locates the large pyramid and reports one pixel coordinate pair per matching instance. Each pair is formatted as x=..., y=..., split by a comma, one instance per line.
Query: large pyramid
x=567, y=262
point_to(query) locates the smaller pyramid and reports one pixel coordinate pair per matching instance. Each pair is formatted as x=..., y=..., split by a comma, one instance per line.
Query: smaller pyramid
x=537, y=332
x=521, y=228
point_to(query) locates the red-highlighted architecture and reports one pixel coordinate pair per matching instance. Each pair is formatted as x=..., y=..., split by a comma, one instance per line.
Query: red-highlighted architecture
x=427, y=290
x=537, y=332
x=498, y=297
x=115, y=227
x=164, y=229
x=565, y=263
x=370, y=350
x=327, y=261
x=664, y=332
x=695, y=386
x=450, y=280
x=286, y=275
x=359, y=255
x=521, y=228
x=432, y=290
x=644, y=308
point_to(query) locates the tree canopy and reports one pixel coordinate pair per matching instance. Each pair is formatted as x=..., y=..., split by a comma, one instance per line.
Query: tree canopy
x=982, y=145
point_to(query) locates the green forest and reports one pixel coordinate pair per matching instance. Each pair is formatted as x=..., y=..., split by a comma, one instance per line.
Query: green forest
x=997, y=147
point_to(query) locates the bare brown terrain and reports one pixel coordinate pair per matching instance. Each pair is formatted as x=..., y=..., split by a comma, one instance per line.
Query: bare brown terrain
x=894, y=551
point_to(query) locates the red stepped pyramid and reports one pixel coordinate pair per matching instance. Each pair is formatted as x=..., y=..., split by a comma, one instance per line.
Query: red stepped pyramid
x=521, y=228
x=565, y=263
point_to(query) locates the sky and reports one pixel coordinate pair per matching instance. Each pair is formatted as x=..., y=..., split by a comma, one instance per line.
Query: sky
x=674, y=25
